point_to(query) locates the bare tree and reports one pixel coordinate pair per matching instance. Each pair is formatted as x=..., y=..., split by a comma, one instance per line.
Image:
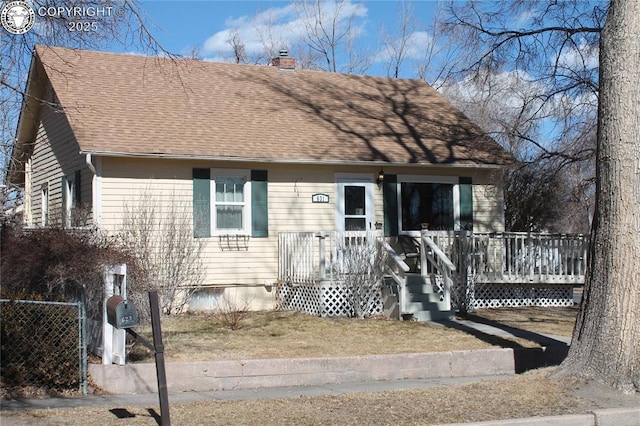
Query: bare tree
x=606, y=338
x=122, y=22
x=395, y=45
x=528, y=74
x=160, y=236
x=237, y=47
x=553, y=46
x=330, y=29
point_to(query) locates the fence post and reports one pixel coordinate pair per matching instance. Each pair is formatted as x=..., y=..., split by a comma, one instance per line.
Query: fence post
x=84, y=358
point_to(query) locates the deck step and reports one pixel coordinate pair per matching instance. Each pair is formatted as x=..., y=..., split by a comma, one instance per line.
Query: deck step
x=424, y=302
x=433, y=315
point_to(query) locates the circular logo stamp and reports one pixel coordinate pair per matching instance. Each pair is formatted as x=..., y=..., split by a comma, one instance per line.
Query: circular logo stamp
x=17, y=17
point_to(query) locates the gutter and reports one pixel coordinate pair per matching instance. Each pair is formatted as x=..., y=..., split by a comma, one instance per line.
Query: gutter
x=282, y=160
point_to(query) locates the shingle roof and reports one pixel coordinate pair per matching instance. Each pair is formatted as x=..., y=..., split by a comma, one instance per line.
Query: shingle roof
x=131, y=104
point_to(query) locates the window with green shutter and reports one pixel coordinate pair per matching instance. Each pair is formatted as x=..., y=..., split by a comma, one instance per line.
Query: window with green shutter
x=428, y=202
x=230, y=202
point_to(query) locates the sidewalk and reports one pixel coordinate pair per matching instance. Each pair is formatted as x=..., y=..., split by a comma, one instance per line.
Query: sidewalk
x=151, y=399
x=600, y=417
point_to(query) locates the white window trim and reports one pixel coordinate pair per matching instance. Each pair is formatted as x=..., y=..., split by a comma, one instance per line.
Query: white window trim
x=44, y=204
x=454, y=180
x=69, y=201
x=246, y=218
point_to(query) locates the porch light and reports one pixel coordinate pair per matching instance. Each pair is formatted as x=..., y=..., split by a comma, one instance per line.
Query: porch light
x=380, y=178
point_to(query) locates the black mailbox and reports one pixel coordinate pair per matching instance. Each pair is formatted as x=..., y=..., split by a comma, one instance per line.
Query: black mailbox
x=121, y=313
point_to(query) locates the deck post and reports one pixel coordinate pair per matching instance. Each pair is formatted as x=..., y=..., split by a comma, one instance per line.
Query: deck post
x=322, y=255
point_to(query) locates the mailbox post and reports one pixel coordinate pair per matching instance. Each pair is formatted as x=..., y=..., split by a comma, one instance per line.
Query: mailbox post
x=113, y=339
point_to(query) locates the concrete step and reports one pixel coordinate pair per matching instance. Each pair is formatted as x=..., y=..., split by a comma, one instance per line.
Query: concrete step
x=428, y=300
x=423, y=300
x=433, y=315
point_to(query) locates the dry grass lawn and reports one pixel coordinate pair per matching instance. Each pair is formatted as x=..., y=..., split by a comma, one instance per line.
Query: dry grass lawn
x=277, y=334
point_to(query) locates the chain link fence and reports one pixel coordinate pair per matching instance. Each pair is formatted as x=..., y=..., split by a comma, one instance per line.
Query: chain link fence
x=44, y=347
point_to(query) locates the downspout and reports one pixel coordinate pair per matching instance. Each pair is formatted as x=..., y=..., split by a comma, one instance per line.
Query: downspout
x=96, y=191
x=90, y=164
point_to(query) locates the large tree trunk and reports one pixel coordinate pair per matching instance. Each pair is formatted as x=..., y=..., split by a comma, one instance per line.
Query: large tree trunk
x=606, y=338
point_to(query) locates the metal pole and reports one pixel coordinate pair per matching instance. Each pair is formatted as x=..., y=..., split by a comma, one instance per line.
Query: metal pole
x=82, y=308
x=159, y=352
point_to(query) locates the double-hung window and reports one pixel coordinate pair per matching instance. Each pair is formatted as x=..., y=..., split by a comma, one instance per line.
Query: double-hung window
x=231, y=201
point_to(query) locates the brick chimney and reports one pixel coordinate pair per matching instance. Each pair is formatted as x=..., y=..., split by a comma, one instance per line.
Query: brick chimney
x=284, y=62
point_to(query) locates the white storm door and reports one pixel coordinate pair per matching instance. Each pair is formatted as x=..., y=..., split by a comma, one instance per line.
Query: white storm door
x=354, y=204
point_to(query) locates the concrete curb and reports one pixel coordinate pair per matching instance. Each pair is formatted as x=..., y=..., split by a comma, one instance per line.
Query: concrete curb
x=267, y=373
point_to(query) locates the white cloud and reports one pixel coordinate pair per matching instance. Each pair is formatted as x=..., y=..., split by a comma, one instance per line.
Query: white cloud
x=276, y=27
x=584, y=55
x=415, y=47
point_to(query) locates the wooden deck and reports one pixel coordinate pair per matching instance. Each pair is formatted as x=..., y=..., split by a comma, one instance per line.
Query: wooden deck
x=466, y=269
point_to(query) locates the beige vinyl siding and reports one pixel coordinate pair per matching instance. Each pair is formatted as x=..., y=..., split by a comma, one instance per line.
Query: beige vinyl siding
x=55, y=154
x=290, y=187
x=124, y=181
x=488, y=202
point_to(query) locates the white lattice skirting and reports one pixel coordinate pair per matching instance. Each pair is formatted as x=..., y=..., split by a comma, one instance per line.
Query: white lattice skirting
x=513, y=295
x=326, y=299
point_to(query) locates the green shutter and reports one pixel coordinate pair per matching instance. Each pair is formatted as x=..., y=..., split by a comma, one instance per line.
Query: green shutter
x=63, y=196
x=390, y=205
x=201, y=203
x=466, y=203
x=259, y=204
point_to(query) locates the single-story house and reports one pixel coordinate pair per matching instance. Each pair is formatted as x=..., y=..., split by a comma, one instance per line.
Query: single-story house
x=253, y=151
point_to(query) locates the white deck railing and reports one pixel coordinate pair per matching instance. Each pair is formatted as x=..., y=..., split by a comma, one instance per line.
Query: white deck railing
x=440, y=263
x=516, y=257
x=309, y=257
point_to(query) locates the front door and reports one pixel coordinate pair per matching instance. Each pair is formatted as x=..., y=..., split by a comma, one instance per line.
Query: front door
x=355, y=204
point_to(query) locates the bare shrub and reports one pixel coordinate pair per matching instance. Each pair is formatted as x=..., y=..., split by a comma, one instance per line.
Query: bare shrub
x=160, y=236
x=360, y=265
x=230, y=311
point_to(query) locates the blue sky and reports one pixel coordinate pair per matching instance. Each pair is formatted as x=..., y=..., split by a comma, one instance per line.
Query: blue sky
x=205, y=25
